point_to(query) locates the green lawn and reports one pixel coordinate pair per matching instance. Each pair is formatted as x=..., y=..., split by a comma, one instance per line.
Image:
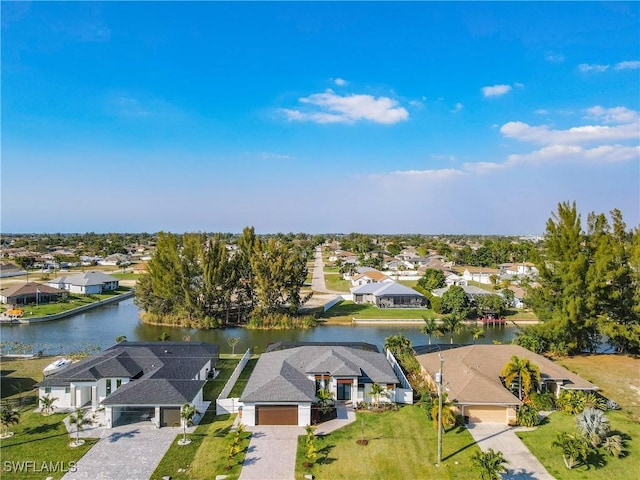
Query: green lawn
x=205, y=456
x=402, y=445
x=72, y=301
x=601, y=468
x=126, y=276
x=238, y=388
x=334, y=281
x=346, y=310
x=213, y=387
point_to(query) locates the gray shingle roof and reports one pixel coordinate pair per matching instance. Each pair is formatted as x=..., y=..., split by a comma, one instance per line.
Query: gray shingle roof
x=164, y=371
x=380, y=289
x=282, y=375
x=86, y=278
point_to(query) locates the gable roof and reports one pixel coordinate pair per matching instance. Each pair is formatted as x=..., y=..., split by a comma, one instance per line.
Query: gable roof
x=283, y=375
x=471, y=373
x=375, y=275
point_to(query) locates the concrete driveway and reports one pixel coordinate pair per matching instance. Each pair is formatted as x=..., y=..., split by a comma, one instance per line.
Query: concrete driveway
x=129, y=452
x=522, y=464
x=272, y=453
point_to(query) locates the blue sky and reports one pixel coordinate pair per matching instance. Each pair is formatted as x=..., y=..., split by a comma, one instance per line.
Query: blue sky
x=317, y=117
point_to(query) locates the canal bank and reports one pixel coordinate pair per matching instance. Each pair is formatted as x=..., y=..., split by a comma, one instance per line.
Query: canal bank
x=74, y=311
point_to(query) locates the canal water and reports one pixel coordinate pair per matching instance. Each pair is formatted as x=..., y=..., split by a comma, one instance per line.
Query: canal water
x=101, y=326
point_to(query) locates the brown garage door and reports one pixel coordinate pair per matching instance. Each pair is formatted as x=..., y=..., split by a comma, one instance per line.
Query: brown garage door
x=170, y=417
x=486, y=413
x=277, y=415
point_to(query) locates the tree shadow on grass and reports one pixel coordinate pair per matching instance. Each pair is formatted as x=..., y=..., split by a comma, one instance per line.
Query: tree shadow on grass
x=461, y=449
x=40, y=429
x=323, y=454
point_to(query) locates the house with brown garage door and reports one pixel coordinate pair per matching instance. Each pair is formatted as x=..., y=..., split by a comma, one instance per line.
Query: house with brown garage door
x=284, y=383
x=135, y=381
x=471, y=378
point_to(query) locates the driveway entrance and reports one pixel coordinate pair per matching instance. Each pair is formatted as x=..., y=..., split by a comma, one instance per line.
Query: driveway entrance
x=272, y=453
x=522, y=464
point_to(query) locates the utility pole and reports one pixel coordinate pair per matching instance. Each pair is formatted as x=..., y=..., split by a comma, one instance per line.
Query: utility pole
x=439, y=382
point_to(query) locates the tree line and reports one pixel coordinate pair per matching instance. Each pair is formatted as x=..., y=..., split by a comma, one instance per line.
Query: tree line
x=192, y=279
x=588, y=290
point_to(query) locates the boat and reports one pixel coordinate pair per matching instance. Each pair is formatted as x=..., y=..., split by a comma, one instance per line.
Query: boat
x=58, y=365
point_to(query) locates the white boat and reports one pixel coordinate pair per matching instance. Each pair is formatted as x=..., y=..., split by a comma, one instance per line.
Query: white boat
x=55, y=367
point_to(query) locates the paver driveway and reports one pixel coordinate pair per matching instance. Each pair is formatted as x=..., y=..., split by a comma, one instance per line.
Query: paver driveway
x=272, y=453
x=130, y=452
x=522, y=464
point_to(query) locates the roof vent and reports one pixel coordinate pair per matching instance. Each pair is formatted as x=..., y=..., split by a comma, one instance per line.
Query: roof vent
x=166, y=351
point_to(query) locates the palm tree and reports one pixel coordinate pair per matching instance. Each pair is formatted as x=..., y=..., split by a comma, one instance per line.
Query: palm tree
x=476, y=332
x=429, y=328
x=8, y=417
x=46, y=404
x=376, y=391
x=452, y=325
x=187, y=412
x=527, y=373
x=490, y=464
x=448, y=412
x=593, y=424
x=575, y=448
x=78, y=419
x=164, y=337
x=324, y=398
x=232, y=342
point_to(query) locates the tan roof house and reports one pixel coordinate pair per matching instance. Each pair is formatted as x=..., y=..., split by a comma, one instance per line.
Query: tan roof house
x=26, y=293
x=369, y=276
x=471, y=377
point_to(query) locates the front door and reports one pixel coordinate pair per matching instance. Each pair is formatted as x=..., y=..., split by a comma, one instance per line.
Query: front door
x=344, y=391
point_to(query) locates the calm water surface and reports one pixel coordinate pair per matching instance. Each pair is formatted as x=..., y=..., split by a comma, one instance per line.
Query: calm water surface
x=101, y=326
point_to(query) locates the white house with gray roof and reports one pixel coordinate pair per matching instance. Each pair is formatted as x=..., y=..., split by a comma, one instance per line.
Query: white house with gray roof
x=388, y=295
x=86, y=283
x=136, y=380
x=284, y=383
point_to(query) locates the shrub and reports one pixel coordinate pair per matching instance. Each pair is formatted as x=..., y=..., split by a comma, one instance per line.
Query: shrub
x=613, y=445
x=593, y=424
x=528, y=415
x=571, y=402
x=542, y=401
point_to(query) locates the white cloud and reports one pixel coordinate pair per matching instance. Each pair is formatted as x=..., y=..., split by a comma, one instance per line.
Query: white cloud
x=576, y=153
x=496, y=90
x=450, y=158
x=458, y=106
x=341, y=82
x=554, y=57
x=431, y=174
x=628, y=65
x=612, y=115
x=329, y=107
x=518, y=85
x=585, y=67
x=541, y=111
x=275, y=156
x=576, y=135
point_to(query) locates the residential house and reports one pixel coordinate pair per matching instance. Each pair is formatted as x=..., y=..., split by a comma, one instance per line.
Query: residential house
x=471, y=378
x=369, y=276
x=388, y=295
x=451, y=278
x=115, y=259
x=30, y=293
x=480, y=274
x=283, y=386
x=86, y=283
x=471, y=291
x=136, y=380
x=519, y=269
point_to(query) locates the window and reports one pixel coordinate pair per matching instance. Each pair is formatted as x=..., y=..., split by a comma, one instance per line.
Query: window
x=47, y=389
x=67, y=389
x=118, y=383
x=108, y=386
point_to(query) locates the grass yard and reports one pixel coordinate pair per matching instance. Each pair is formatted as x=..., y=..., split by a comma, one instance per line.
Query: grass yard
x=602, y=468
x=126, y=276
x=205, y=457
x=346, y=310
x=238, y=388
x=334, y=281
x=37, y=438
x=214, y=386
x=72, y=301
x=618, y=377
x=408, y=283
x=402, y=444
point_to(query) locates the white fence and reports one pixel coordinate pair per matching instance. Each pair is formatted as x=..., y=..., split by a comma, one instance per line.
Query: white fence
x=226, y=405
x=405, y=394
